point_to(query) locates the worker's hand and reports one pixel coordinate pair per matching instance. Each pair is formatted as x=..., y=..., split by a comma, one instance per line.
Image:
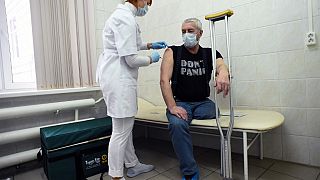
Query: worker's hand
x=159, y=45
x=222, y=83
x=180, y=112
x=155, y=56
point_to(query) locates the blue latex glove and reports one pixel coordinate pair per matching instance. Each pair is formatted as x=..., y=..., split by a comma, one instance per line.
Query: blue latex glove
x=155, y=56
x=159, y=45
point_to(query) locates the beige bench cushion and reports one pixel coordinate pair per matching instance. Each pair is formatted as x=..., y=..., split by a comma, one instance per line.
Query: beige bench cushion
x=258, y=120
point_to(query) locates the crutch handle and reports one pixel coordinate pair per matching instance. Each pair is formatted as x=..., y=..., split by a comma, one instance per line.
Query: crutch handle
x=219, y=15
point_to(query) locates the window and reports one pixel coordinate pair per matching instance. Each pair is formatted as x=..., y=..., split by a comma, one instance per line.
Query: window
x=46, y=44
x=16, y=45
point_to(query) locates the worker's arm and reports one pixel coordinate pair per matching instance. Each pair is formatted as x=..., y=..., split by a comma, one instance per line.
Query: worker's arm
x=222, y=81
x=135, y=61
x=165, y=77
x=154, y=45
x=145, y=46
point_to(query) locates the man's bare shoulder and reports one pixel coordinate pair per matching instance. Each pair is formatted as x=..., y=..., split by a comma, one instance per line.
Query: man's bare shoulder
x=168, y=51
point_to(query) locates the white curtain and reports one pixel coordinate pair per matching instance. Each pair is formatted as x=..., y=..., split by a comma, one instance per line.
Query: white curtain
x=65, y=52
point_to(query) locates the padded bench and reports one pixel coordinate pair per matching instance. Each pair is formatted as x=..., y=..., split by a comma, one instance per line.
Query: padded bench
x=246, y=121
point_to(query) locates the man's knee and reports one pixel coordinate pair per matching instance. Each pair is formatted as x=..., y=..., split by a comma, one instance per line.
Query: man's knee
x=176, y=123
x=207, y=110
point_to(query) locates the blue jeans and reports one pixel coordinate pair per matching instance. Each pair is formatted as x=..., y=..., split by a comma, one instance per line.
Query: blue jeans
x=180, y=135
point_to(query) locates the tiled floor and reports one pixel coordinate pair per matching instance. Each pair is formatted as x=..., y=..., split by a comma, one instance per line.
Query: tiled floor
x=160, y=153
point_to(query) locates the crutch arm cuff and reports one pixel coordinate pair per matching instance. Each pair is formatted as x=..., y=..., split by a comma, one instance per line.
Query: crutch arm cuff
x=219, y=15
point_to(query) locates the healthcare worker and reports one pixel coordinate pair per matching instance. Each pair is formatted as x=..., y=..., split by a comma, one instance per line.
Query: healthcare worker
x=117, y=74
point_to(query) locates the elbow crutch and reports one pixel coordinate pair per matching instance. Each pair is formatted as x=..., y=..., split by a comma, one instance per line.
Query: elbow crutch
x=226, y=162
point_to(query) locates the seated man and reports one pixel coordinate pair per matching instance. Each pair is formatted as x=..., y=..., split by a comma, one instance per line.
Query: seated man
x=189, y=68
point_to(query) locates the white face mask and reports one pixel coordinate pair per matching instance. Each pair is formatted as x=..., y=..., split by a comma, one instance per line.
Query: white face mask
x=190, y=40
x=142, y=11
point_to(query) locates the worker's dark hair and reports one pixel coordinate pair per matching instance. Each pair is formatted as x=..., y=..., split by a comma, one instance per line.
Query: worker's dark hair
x=132, y=1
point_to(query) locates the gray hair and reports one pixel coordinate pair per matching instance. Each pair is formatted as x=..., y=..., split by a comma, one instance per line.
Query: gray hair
x=196, y=21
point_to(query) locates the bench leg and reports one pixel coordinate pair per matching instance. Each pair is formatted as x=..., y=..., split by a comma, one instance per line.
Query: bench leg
x=245, y=156
x=261, y=146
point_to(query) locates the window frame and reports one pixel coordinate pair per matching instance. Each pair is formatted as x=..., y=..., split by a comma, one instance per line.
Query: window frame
x=5, y=67
x=1, y=72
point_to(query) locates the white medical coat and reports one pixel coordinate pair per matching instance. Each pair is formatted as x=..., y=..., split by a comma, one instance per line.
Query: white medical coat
x=118, y=81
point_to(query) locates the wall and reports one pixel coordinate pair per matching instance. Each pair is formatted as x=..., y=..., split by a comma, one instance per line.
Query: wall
x=273, y=69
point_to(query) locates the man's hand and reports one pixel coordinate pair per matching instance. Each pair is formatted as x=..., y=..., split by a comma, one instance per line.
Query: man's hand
x=180, y=112
x=222, y=82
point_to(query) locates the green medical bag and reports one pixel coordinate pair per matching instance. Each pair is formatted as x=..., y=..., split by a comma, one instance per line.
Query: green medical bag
x=77, y=150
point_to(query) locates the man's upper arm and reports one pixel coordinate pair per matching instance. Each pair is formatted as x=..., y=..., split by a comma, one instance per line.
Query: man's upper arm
x=167, y=65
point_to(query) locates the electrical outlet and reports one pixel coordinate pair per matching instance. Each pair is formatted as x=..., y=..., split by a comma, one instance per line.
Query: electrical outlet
x=310, y=38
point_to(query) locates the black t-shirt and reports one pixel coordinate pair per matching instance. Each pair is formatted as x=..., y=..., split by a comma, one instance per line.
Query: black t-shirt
x=191, y=75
